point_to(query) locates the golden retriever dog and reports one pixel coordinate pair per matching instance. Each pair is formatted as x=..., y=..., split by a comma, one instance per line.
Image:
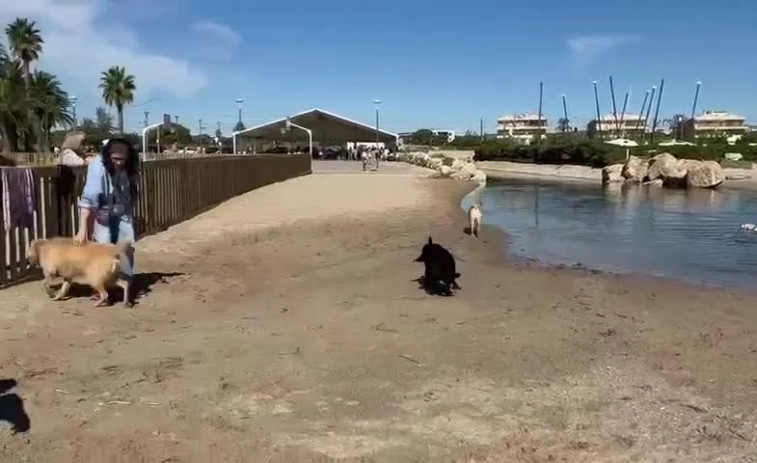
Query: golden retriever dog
x=475, y=217
x=93, y=264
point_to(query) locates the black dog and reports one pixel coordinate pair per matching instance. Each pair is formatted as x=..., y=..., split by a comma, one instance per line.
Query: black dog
x=440, y=274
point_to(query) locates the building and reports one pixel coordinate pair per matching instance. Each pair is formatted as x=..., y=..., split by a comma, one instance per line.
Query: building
x=442, y=133
x=521, y=127
x=715, y=124
x=631, y=124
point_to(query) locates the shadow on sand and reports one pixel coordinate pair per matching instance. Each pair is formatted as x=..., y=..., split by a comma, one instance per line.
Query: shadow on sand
x=143, y=283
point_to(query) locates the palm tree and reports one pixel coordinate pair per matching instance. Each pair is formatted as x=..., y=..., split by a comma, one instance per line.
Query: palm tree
x=50, y=104
x=13, y=108
x=118, y=90
x=25, y=42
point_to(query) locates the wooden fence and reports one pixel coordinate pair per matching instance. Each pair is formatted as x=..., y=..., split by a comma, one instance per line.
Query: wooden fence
x=171, y=191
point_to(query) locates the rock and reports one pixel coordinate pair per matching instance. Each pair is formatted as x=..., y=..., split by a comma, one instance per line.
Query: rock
x=444, y=171
x=733, y=156
x=612, y=174
x=69, y=158
x=479, y=177
x=707, y=174
x=435, y=163
x=686, y=164
x=635, y=169
x=466, y=172
x=659, y=163
x=653, y=183
x=457, y=164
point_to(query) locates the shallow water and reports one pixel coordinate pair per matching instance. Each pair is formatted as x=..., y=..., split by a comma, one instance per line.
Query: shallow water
x=688, y=235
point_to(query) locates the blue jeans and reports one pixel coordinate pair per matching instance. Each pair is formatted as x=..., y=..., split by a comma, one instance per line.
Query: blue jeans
x=118, y=229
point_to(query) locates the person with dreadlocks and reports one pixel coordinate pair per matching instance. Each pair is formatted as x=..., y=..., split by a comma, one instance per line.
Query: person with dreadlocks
x=108, y=200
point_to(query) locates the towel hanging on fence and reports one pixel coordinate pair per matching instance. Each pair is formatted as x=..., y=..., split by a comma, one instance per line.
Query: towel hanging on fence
x=18, y=198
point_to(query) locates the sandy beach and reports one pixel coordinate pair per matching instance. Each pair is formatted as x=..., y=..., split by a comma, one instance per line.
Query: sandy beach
x=285, y=325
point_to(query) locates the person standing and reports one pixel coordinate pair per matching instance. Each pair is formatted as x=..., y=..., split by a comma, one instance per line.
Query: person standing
x=106, y=208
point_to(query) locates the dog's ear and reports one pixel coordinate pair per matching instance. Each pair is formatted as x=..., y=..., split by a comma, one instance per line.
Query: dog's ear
x=429, y=240
x=419, y=258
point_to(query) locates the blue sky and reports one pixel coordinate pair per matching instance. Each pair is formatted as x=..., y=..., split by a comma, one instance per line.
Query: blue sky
x=433, y=63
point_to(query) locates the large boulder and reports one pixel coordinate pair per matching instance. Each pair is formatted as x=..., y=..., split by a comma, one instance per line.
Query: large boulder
x=635, y=169
x=613, y=174
x=660, y=164
x=458, y=164
x=466, y=172
x=435, y=163
x=479, y=177
x=444, y=171
x=707, y=174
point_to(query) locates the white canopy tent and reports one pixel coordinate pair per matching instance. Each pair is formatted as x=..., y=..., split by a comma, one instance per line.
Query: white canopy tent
x=325, y=127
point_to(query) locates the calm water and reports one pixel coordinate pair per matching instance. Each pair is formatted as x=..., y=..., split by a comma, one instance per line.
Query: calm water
x=688, y=235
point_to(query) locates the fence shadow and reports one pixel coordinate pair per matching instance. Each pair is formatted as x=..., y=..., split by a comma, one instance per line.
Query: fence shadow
x=12, y=407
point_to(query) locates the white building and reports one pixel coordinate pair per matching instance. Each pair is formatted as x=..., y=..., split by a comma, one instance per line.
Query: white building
x=630, y=124
x=450, y=134
x=717, y=123
x=522, y=127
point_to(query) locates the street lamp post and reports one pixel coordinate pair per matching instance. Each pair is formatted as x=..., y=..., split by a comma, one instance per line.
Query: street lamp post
x=73, y=109
x=239, y=102
x=377, y=103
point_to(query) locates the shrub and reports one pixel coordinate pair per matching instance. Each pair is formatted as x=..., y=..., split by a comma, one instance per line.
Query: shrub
x=557, y=150
x=596, y=153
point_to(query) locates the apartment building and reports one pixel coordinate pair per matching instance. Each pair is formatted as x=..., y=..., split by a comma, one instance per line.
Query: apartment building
x=715, y=124
x=522, y=127
x=631, y=124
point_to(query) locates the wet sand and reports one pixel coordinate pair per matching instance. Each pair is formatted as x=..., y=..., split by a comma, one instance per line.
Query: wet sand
x=285, y=325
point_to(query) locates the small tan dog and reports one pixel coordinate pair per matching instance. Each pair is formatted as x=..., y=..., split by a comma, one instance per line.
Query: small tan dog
x=475, y=217
x=93, y=264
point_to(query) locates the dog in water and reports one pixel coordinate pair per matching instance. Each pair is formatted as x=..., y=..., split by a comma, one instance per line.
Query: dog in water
x=93, y=264
x=475, y=217
x=440, y=275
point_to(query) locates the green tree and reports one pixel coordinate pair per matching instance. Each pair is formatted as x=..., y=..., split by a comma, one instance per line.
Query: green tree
x=50, y=105
x=104, y=120
x=25, y=43
x=31, y=104
x=179, y=134
x=13, y=108
x=118, y=90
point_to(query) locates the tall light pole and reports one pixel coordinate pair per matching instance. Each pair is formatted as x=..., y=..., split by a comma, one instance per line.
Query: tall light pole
x=147, y=115
x=377, y=103
x=73, y=109
x=239, y=102
x=696, y=99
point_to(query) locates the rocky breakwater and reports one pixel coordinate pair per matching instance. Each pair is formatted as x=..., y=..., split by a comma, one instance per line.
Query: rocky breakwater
x=446, y=167
x=665, y=170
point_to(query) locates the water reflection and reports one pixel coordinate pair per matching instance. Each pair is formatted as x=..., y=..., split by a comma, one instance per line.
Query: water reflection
x=689, y=234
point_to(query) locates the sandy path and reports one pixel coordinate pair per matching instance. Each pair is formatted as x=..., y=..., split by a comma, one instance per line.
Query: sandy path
x=307, y=340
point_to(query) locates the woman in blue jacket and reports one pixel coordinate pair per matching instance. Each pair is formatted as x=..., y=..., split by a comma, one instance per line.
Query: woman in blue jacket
x=108, y=200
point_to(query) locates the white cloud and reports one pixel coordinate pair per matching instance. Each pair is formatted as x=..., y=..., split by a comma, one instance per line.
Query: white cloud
x=586, y=49
x=218, y=41
x=76, y=48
